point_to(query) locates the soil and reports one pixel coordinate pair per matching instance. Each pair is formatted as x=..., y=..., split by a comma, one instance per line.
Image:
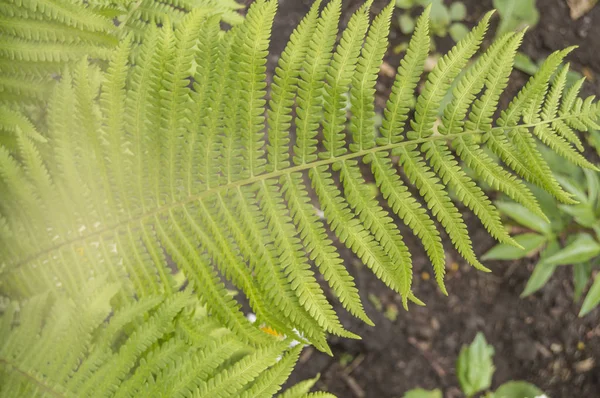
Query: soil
x=538, y=339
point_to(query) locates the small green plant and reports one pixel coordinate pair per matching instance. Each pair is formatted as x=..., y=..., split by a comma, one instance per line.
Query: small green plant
x=569, y=236
x=444, y=19
x=516, y=15
x=474, y=370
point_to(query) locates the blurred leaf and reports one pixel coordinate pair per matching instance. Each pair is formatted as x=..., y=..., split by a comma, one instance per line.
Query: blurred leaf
x=406, y=23
x=474, y=367
x=541, y=273
x=592, y=299
x=420, y=393
x=593, y=185
x=525, y=217
x=439, y=13
x=405, y=4
x=518, y=389
x=561, y=167
x=458, y=31
x=580, y=7
x=515, y=15
x=525, y=64
x=458, y=11
x=549, y=205
x=581, y=276
x=583, y=213
x=594, y=140
x=582, y=249
x=502, y=251
x=572, y=185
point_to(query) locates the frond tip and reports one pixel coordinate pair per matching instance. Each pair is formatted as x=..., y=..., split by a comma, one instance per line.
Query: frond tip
x=161, y=180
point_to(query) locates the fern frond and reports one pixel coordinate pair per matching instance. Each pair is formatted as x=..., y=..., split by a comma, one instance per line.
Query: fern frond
x=67, y=347
x=311, y=84
x=438, y=82
x=284, y=87
x=409, y=73
x=338, y=78
x=362, y=93
x=169, y=168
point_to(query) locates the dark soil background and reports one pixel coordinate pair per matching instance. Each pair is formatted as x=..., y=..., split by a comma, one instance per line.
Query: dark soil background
x=538, y=339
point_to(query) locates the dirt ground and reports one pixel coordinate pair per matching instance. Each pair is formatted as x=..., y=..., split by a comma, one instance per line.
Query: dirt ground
x=538, y=339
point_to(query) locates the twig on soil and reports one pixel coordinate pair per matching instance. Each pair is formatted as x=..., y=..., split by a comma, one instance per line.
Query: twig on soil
x=434, y=364
x=356, y=389
x=354, y=364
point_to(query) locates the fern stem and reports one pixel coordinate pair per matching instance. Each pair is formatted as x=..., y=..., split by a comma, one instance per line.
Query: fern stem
x=275, y=175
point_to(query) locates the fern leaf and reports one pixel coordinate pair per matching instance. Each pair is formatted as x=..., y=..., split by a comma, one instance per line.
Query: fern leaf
x=284, y=87
x=409, y=73
x=229, y=382
x=362, y=126
x=408, y=209
x=319, y=247
x=338, y=78
x=377, y=220
x=441, y=206
x=252, y=91
x=310, y=84
x=268, y=383
x=11, y=121
x=350, y=231
x=438, y=82
x=257, y=246
x=161, y=169
x=299, y=274
x=300, y=389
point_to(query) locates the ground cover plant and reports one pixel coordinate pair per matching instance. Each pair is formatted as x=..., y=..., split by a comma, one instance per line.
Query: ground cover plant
x=570, y=237
x=159, y=176
x=475, y=370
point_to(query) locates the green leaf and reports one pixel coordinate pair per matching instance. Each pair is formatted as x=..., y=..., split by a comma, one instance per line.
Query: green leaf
x=518, y=389
x=525, y=217
x=458, y=11
x=475, y=366
x=405, y=4
x=458, y=31
x=440, y=15
x=502, y=251
x=407, y=23
x=516, y=15
x=525, y=64
x=593, y=185
x=592, y=299
x=573, y=186
x=421, y=393
x=582, y=249
x=594, y=140
x=581, y=276
x=541, y=273
x=582, y=213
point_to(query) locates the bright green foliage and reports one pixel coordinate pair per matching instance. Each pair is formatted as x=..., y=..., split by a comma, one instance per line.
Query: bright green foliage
x=444, y=19
x=571, y=236
x=38, y=38
x=516, y=14
x=172, y=165
x=168, y=346
x=475, y=366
